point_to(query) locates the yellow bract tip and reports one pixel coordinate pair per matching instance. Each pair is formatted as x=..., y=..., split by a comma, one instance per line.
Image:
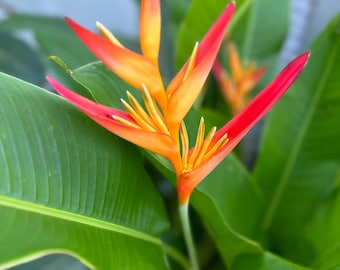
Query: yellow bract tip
x=107, y=34
x=192, y=62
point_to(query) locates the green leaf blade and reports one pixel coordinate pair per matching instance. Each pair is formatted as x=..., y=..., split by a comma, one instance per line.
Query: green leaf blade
x=63, y=169
x=44, y=235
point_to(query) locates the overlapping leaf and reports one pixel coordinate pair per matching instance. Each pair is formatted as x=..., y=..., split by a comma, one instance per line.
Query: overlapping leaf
x=69, y=186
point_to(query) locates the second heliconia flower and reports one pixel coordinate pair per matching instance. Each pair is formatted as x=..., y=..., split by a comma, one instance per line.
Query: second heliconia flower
x=157, y=125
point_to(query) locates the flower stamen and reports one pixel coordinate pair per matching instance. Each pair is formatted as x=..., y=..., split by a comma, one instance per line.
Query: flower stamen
x=205, y=146
x=185, y=144
x=150, y=119
x=220, y=143
x=153, y=110
x=125, y=122
x=203, y=149
x=140, y=120
x=140, y=111
x=199, y=142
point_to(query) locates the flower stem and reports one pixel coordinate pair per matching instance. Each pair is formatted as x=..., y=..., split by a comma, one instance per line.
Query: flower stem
x=184, y=215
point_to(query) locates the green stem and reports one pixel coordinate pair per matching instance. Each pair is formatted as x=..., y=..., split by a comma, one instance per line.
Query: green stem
x=184, y=215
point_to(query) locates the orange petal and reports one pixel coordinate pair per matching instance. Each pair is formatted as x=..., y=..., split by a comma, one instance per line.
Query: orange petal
x=157, y=142
x=214, y=35
x=242, y=123
x=131, y=67
x=150, y=29
x=184, y=96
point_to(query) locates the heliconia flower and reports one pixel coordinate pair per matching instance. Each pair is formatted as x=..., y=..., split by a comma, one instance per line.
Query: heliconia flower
x=241, y=79
x=158, y=125
x=166, y=108
x=138, y=70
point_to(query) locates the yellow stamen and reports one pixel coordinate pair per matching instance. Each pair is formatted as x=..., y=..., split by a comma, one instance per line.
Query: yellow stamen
x=203, y=149
x=139, y=120
x=107, y=34
x=185, y=144
x=150, y=119
x=199, y=142
x=153, y=110
x=221, y=142
x=125, y=122
x=205, y=146
x=191, y=63
x=140, y=111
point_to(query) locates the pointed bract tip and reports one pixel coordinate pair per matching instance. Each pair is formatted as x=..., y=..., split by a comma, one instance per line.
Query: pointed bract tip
x=54, y=83
x=70, y=22
x=231, y=6
x=68, y=19
x=303, y=58
x=49, y=79
x=308, y=54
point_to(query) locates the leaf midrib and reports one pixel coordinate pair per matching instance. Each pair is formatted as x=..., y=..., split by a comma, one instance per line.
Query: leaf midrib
x=77, y=218
x=277, y=194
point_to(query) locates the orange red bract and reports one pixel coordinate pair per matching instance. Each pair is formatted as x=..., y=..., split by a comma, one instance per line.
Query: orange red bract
x=158, y=125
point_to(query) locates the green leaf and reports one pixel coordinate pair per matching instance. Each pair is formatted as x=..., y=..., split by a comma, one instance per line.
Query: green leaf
x=69, y=186
x=54, y=37
x=18, y=59
x=228, y=204
x=223, y=200
x=51, y=262
x=267, y=261
x=298, y=160
x=323, y=232
x=255, y=36
x=103, y=85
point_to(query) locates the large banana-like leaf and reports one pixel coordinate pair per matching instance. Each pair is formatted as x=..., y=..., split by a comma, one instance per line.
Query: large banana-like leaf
x=69, y=186
x=298, y=161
